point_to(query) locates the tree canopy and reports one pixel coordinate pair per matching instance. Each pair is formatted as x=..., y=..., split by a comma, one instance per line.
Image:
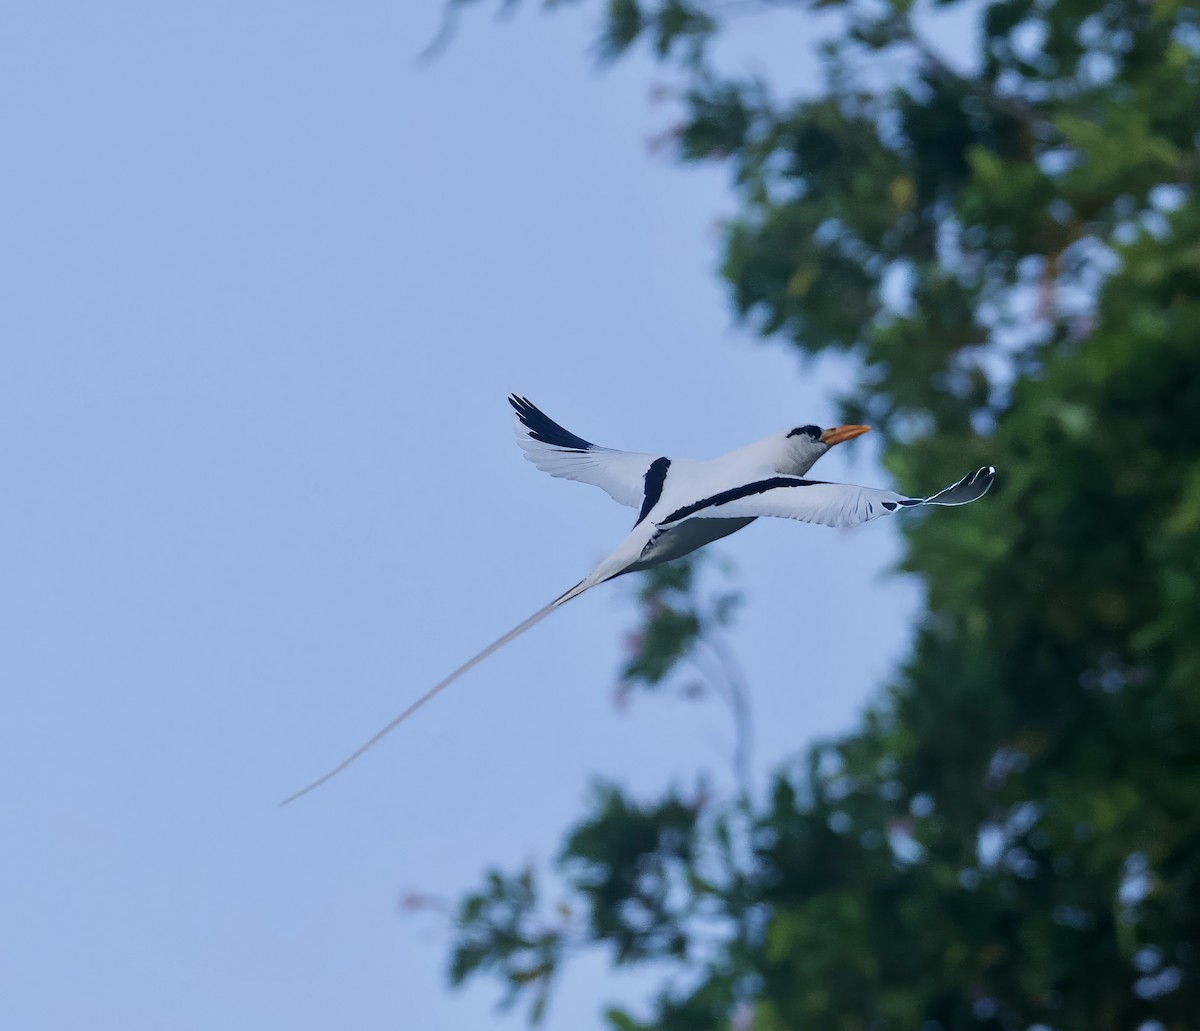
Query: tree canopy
x=1008, y=245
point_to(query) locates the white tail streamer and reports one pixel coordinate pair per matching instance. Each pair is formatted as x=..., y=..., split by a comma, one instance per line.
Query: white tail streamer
x=471, y=663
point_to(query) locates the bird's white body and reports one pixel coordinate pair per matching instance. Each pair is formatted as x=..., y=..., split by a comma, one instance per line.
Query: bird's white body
x=685, y=504
x=686, y=480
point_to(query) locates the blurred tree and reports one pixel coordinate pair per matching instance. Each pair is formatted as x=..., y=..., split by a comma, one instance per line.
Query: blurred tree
x=1007, y=242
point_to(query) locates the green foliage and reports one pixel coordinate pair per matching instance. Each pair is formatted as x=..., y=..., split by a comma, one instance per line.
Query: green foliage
x=1008, y=247
x=629, y=863
x=501, y=929
x=671, y=26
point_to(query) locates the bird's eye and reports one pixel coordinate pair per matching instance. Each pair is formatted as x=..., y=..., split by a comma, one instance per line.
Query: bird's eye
x=807, y=431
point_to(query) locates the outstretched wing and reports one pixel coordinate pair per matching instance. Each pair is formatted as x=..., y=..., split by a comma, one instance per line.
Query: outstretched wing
x=830, y=504
x=559, y=452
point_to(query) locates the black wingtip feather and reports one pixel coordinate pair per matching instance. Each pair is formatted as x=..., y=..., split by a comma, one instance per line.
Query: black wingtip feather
x=544, y=429
x=970, y=488
x=985, y=473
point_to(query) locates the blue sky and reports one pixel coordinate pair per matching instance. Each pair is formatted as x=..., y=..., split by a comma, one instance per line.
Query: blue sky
x=266, y=285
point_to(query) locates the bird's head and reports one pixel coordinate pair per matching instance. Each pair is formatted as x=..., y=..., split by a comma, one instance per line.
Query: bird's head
x=805, y=444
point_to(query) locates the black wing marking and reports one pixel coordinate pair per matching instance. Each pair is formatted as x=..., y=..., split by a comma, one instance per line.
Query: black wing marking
x=656, y=476
x=544, y=429
x=745, y=490
x=832, y=504
x=559, y=452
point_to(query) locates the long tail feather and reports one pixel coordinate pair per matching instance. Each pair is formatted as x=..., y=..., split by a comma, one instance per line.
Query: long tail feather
x=474, y=661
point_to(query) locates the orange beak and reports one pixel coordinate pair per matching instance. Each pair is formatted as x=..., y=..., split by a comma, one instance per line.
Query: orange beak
x=840, y=433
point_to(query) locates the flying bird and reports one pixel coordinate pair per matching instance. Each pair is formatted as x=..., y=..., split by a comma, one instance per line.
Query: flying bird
x=683, y=505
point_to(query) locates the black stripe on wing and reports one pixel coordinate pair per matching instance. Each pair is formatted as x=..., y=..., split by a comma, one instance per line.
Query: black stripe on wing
x=656, y=476
x=745, y=490
x=544, y=429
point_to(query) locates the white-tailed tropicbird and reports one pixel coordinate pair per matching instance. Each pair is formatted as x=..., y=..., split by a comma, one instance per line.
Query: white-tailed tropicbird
x=684, y=504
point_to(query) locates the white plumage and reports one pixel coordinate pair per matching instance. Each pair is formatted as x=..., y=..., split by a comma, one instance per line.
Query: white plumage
x=684, y=504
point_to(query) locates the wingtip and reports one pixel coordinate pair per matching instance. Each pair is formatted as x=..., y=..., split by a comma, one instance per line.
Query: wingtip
x=982, y=480
x=970, y=488
x=538, y=426
x=984, y=472
x=522, y=409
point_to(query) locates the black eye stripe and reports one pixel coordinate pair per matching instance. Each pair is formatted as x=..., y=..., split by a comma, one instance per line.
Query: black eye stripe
x=808, y=431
